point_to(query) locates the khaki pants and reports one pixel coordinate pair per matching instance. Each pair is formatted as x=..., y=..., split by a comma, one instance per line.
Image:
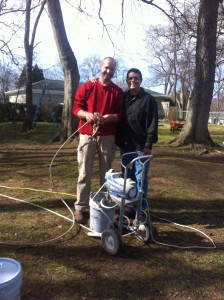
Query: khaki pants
x=88, y=146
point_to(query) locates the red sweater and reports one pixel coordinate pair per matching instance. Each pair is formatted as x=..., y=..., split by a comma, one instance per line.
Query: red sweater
x=94, y=97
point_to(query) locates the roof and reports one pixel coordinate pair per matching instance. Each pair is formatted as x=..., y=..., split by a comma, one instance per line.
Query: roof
x=151, y=92
x=53, y=85
x=58, y=85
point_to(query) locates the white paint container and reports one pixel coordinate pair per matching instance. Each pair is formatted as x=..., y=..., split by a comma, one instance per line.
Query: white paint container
x=101, y=216
x=10, y=279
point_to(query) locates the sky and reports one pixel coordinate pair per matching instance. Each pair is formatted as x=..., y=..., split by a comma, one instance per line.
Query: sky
x=87, y=36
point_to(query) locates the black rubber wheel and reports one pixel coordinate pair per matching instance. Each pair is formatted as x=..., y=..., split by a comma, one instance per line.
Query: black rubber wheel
x=111, y=241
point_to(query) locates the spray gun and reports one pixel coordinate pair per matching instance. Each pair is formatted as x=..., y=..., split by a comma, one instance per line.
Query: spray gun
x=115, y=185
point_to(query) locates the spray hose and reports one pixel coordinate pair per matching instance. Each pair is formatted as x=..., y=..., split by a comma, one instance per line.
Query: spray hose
x=95, y=128
x=54, y=190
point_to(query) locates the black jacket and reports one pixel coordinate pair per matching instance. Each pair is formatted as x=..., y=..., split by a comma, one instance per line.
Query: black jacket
x=139, y=128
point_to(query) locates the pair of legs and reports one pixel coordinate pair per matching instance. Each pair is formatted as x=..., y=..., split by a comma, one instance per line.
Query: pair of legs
x=135, y=173
x=104, y=146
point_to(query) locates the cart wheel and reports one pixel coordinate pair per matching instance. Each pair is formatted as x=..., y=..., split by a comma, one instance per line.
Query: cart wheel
x=143, y=232
x=111, y=241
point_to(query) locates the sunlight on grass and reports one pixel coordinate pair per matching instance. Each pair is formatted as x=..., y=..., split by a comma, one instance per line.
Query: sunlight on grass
x=183, y=188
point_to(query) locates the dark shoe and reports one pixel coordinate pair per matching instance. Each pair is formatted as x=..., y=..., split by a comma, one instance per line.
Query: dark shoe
x=130, y=212
x=78, y=214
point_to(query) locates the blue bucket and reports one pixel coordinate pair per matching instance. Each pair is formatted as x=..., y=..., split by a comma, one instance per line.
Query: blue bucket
x=102, y=212
x=10, y=279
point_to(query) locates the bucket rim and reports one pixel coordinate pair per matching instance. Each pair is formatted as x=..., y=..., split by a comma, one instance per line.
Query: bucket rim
x=98, y=202
x=15, y=275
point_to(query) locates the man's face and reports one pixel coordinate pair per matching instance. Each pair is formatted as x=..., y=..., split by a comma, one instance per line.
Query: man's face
x=134, y=81
x=107, y=69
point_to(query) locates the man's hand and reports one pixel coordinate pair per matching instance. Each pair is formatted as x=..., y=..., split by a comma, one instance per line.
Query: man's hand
x=90, y=117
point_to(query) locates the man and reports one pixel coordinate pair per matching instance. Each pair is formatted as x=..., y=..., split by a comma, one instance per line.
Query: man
x=98, y=105
x=138, y=130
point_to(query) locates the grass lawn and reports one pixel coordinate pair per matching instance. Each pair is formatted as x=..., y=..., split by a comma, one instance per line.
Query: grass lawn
x=59, y=261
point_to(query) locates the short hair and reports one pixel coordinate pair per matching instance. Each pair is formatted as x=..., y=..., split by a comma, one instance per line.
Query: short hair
x=134, y=70
x=110, y=58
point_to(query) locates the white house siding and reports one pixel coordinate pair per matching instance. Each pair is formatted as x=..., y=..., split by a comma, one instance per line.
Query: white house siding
x=17, y=99
x=56, y=90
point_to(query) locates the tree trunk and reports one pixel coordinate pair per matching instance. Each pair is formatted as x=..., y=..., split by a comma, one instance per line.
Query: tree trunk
x=29, y=46
x=195, y=131
x=27, y=122
x=69, y=123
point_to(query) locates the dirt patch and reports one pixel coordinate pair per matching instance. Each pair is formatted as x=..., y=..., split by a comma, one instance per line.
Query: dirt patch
x=185, y=189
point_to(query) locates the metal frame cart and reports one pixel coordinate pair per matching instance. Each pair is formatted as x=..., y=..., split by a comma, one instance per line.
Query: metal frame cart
x=120, y=192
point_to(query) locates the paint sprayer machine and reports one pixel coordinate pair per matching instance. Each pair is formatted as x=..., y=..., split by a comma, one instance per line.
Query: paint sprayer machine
x=115, y=185
x=116, y=193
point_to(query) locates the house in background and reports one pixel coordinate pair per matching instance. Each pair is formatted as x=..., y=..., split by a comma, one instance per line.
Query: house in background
x=56, y=90
x=163, y=101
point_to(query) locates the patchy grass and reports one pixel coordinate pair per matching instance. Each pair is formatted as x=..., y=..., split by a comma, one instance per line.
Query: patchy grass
x=216, y=132
x=184, y=188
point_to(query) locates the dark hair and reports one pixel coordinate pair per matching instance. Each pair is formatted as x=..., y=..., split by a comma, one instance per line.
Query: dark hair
x=134, y=70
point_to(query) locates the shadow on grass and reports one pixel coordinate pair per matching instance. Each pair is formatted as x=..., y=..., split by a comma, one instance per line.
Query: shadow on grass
x=93, y=274
x=191, y=211
x=25, y=207
x=169, y=225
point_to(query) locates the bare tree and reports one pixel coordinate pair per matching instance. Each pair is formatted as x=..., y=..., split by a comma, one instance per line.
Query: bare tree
x=29, y=48
x=70, y=68
x=10, y=27
x=160, y=48
x=8, y=78
x=172, y=48
x=217, y=104
x=121, y=71
x=90, y=67
x=195, y=131
x=54, y=72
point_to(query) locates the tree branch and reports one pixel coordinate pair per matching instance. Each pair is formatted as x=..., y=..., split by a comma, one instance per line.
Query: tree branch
x=36, y=22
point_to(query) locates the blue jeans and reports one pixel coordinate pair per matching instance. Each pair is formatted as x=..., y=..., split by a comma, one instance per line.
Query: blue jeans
x=135, y=173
